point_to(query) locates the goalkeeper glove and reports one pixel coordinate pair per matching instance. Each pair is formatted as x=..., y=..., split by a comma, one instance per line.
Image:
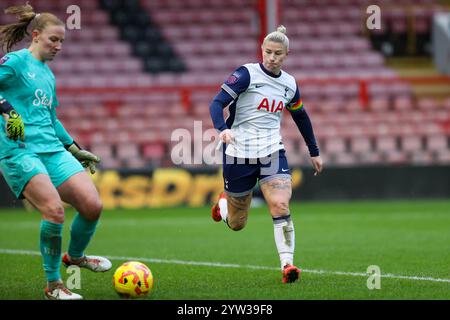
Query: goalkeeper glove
x=86, y=158
x=15, y=128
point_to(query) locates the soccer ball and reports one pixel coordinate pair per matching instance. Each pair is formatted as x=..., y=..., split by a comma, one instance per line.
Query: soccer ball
x=133, y=279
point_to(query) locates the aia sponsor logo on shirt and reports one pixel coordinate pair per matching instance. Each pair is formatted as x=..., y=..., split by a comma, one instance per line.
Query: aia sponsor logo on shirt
x=4, y=59
x=274, y=106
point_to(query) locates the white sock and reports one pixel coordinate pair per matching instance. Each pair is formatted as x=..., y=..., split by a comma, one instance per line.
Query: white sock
x=223, y=206
x=284, y=239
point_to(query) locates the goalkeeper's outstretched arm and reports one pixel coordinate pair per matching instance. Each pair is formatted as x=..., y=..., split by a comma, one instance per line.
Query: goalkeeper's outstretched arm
x=62, y=133
x=86, y=158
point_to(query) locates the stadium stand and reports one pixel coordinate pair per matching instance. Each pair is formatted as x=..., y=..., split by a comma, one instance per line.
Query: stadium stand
x=148, y=44
x=138, y=70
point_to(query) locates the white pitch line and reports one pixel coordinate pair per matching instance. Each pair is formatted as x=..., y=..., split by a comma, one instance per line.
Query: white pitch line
x=232, y=265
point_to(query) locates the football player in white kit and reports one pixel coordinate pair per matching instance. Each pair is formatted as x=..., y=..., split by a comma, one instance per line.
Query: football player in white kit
x=256, y=95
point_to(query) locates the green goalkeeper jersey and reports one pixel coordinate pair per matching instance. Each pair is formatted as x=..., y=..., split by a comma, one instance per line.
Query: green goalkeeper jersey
x=29, y=86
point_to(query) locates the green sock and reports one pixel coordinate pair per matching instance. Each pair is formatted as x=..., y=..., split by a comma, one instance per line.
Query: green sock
x=50, y=244
x=81, y=233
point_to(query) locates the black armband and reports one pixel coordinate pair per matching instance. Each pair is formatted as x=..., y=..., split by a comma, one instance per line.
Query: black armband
x=5, y=106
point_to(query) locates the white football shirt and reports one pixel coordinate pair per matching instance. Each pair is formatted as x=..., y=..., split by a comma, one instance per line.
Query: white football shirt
x=257, y=110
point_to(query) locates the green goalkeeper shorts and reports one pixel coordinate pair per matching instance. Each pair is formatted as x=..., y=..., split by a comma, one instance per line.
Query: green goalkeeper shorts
x=22, y=165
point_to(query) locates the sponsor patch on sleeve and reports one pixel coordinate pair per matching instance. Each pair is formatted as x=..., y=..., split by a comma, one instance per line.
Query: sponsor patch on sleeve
x=4, y=59
x=233, y=78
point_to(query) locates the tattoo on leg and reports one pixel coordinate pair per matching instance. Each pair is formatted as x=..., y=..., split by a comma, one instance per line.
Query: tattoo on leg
x=279, y=184
x=240, y=203
x=238, y=211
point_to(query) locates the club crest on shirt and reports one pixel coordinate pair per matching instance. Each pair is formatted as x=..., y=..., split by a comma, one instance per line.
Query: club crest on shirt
x=4, y=59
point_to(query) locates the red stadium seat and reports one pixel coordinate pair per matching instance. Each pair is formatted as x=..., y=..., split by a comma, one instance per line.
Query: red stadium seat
x=127, y=150
x=103, y=150
x=110, y=163
x=395, y=157
x=344, y=159
x=360, y=144
x=412, y=143
x=386, y=144
x=403, y=103
x=443, y=157
x=427, y=104
x=335, y=145
x=152, y=151
x=437, y=142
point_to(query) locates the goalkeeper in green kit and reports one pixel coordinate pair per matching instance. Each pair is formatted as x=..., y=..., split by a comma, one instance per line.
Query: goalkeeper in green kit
x=38, y=158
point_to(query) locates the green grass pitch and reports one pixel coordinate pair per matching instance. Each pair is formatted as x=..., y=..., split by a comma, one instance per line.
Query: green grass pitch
x=192, y=257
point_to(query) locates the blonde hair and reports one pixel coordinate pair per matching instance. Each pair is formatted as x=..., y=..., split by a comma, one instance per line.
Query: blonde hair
x=13, y=33
x=278, y=36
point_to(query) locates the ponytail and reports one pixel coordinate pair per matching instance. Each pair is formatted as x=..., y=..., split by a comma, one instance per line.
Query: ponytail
x=13, y=33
